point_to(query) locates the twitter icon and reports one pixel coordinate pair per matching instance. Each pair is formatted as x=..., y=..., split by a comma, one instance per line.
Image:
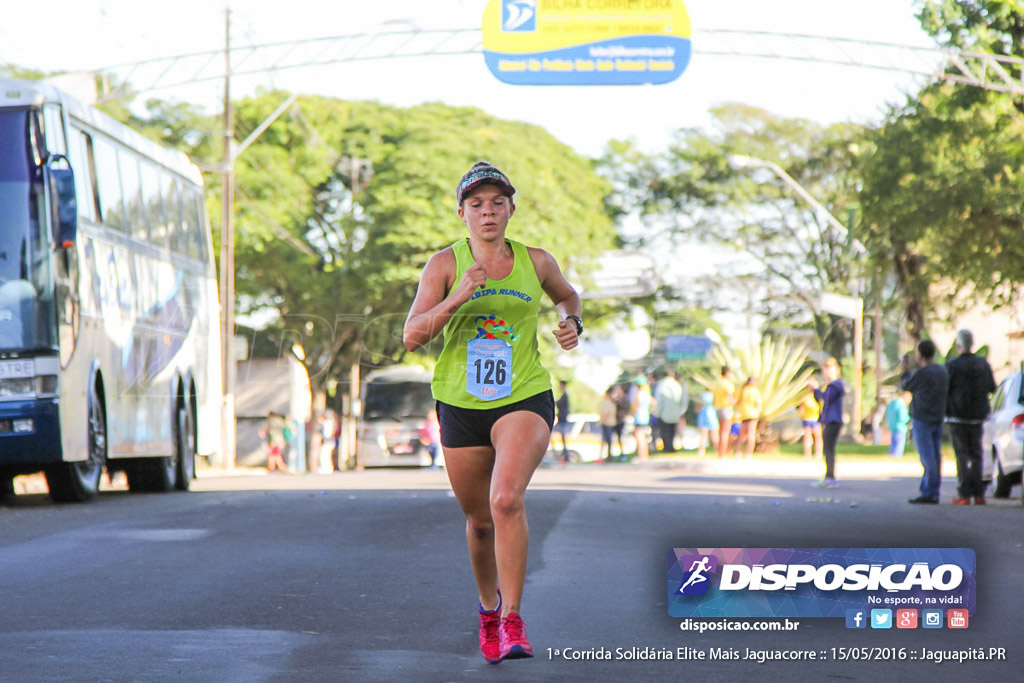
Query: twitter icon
x=881, y=618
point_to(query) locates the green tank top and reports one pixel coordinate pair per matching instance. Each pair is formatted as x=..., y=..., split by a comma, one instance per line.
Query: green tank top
x=490, y=356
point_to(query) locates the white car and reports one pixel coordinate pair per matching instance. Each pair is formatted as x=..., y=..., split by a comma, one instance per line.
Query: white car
x=584, y=440
x=1002, y=443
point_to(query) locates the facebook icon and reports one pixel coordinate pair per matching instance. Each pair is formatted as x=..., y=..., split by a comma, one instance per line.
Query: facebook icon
x=856, y=618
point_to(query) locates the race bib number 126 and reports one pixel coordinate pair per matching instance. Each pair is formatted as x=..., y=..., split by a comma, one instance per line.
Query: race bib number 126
x=489, y=369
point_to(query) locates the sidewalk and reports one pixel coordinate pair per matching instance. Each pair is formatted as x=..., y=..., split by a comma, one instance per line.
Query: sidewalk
x=760, y=465
x=785, y=466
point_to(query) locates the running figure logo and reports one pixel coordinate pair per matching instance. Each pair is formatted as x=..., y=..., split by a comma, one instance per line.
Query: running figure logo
x=699, y=566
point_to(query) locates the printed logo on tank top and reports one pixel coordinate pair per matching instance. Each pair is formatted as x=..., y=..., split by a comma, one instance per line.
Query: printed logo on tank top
x=501, y=292
x=493, y=327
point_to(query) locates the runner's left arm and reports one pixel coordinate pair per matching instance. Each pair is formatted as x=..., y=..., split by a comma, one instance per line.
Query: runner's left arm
x=561, y=293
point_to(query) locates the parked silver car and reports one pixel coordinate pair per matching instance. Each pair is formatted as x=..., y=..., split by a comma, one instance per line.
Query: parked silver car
x=1002, y=446
x=394, y=407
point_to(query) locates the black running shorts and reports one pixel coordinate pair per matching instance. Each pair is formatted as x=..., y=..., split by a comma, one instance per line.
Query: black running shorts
x=465, y=427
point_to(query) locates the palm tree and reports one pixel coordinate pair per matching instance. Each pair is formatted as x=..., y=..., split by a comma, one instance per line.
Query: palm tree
x=781, y=370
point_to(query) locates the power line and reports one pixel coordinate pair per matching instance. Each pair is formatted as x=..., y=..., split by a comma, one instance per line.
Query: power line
x=994, y=72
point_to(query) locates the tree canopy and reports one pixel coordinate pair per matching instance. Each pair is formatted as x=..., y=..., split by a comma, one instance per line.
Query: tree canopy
x=786, y=252
x=342, y=203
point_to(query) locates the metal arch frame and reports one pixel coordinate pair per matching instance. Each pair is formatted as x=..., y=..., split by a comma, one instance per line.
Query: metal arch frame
x=989, y=71
x=294, y=54
x=983, y=70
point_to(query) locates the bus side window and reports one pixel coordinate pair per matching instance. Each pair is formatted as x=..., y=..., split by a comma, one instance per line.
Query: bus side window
x=108, y=182
x=152, y=191
x=172, y=206
x=132, y=185
x=81, y=149
x=53, y=129
x=196, y=238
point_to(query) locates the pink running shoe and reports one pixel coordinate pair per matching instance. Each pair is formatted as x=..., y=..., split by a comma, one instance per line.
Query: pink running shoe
x=512, y=634
x=489, y=625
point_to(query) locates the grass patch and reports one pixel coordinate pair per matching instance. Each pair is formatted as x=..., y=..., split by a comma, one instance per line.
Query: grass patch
x=867, y=451
x=842, y=449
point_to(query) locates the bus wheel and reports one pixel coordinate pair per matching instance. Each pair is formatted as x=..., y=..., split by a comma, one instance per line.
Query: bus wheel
x=185, y=447
x=156, y=475
x=78, y=482
x=6, y=487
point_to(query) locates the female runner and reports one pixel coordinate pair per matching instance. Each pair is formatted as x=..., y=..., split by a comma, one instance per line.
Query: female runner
x=494, y=398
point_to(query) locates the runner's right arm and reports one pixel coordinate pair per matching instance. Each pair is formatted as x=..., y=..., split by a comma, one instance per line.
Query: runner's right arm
x=435, y=304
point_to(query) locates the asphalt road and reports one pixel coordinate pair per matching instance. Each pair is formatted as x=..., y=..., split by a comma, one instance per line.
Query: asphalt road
x=363, y=576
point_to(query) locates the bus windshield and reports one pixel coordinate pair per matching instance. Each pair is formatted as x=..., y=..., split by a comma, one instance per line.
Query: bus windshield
x=397, y=400
x=25, y=295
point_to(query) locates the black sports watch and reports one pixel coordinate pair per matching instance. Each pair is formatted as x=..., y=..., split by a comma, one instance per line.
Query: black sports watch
x=579, y=324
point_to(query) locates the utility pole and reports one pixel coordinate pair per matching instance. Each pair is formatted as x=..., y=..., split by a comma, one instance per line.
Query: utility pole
x=879, y=356
x=227, y=263
x=858, y=367
x=231, y=151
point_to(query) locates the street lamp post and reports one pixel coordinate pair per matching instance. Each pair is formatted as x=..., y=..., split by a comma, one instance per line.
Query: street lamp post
x=739, y=161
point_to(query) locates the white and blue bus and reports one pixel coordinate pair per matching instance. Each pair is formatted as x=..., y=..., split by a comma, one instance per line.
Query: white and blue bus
x=109, y=315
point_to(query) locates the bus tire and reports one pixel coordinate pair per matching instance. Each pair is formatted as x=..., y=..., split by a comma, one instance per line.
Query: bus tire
x=79, y=482
x=185, y=447
x=6, y=487
x=153, y=475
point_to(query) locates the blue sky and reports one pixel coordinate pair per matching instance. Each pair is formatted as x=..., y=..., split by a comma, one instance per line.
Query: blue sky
x=86, y=34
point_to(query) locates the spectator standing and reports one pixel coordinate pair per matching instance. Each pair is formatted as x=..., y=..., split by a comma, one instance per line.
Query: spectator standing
x=707, y=422
x=562, y=424
x=897, y=419
x=810, y=420
x=831, y=398
x=670, y=400
x=748, y=412
x=623, y=414
x=327, y=426
x=606, y=417
x=724, y=392
x=928, y=382
x=970, y=383
x=273, y=431
x=641, y=409
x=430, y=437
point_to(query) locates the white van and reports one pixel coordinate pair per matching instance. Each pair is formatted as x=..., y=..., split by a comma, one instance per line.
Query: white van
x=395, y=402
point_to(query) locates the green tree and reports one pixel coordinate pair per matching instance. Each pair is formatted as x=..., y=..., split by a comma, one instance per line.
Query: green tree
x=942, y=185
x=787, y=254
x=338, y=255
x=941, y=199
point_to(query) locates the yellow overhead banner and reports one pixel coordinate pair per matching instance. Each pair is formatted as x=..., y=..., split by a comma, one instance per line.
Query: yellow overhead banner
x=586, y=42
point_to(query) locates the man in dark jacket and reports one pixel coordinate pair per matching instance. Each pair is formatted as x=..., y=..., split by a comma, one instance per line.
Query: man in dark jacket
x=929, y=384
x=970, y=383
